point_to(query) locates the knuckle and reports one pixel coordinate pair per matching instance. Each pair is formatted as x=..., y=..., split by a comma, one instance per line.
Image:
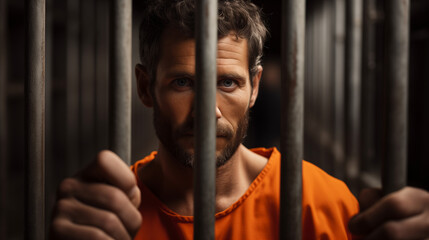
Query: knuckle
x=426, y=227
x=391, y=230
x=97, y=234
x=103, y=157
x=67, y=186
x=63, y=206
x=58, y=228
x=110, y=221
x=136, y=222
x=426, y=199
x=116, y=199
x=399, y=204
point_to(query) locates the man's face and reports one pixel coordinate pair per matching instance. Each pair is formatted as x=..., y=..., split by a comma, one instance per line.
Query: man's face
x=173, y=93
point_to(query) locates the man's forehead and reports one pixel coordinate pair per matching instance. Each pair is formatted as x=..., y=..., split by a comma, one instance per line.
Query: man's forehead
x=178, y=48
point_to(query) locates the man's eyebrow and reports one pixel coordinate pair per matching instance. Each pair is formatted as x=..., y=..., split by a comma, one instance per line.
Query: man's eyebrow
x=180, y=74
x=192, y=76
x=232, y=75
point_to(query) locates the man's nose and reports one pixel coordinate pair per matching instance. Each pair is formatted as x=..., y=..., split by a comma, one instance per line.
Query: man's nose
x=218, y=112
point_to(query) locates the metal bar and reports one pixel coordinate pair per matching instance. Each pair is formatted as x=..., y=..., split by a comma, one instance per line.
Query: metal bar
x=87, y=76
x=367, y=142
x=4, y=160
x=324, y=104
x=35, y=117
x=353, y=88
x=72, y=83
x=101, y=36
x=205, y=124
x=340, y=35
x=397, y=45
x=292, y=115
x=50, y=183
x=120, y=82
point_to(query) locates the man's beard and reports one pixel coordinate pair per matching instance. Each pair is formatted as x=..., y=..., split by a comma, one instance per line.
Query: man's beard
x=169, y=138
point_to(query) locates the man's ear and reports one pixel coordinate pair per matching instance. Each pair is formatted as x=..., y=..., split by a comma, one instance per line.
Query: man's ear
x=143, y=85
x=256, y=80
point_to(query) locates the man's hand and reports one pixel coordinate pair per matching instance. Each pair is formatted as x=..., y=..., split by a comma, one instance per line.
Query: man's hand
x=99, y=203
x=401, y=215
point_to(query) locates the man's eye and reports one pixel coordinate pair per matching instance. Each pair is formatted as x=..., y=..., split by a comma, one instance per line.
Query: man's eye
x=182, y=82
x=227, y=83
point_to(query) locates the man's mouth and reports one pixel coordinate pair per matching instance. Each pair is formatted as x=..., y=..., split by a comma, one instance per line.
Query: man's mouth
x=191, y=134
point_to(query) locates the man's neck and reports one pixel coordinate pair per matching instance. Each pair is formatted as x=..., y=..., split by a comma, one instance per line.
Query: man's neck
x=172, y=182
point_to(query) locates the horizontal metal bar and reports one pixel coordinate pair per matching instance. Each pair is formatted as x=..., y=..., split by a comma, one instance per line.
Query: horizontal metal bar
x=292, y=115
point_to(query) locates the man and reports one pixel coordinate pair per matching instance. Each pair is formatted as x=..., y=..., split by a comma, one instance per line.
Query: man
x=155, y=200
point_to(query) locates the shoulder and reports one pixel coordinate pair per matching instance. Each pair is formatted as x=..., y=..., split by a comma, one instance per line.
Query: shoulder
x=320, y=189
x=327, y=203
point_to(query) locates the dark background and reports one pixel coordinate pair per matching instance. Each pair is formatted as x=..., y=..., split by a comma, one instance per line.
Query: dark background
x=77, y=51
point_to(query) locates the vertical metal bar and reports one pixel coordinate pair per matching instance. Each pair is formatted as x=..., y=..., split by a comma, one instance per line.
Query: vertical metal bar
x=340, y=35
x=87, y=79
x=368, y=86
x=120, y=82
x=205, y=124
x=101, y=70
x=353, y=88
x=72, y=83
x=3, y=119
x=325, y=106
x=35, y=117
x=397, y=36
x=292, y=115
x=50, y=186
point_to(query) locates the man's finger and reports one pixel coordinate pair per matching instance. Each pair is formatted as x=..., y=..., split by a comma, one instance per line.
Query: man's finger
x=369, y=197
x=402, y=204
x=82, y=214
x=412, y=228
x=106, y=197
x=65, y=230
x=109, y=168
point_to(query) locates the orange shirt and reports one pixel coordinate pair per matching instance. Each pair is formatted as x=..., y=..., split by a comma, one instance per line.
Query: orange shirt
x=326, y=207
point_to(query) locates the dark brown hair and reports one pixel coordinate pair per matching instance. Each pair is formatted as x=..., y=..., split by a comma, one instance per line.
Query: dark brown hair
x=239, y=16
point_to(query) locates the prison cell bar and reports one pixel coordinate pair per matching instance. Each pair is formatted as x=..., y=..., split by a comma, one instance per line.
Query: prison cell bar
x=35, y=125
x=3, y=120
x=397, y=37
x=367, y=141
x=205, y=122
x=292, y=115
x=72, y=84
x=120, y=70
x=352, y=88
x=339, y=50
x=86, y=81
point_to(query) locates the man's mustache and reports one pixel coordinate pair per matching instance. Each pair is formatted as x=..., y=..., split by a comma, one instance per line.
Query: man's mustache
x=187, y=128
